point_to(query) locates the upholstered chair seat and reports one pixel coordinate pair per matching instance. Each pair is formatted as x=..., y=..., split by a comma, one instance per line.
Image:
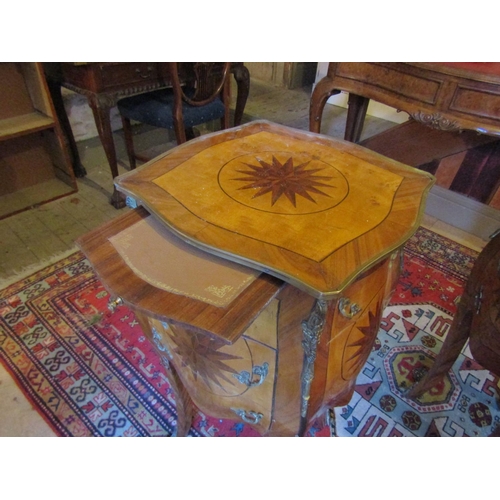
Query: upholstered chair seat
x=199, y=96
x=156, y=109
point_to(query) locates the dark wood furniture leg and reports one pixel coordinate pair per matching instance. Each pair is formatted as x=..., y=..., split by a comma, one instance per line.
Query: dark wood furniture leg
x=242, y=77
x=127, y=133
x=322, y=92
x=454, y=343
x=101, y=108
x=55, y=93
x=356, y=115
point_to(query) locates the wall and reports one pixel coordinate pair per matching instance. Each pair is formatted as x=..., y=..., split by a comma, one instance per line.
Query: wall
x=81, y=117
x=289, y=75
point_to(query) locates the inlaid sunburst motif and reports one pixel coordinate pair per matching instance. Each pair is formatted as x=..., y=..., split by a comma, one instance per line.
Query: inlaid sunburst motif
x=201, y=355
x=360, y=347
x=284, y=179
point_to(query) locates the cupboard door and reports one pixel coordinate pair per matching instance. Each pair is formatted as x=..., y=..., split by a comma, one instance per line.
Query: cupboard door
x=119, y=74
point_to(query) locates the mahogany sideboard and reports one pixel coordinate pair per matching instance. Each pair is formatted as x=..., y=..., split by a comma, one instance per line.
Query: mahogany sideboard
x=444, y=96
x=258, y=263
x=104, y=84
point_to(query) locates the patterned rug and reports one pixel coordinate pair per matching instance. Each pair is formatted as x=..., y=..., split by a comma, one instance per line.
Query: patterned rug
x=90, y=372
x=412, y=332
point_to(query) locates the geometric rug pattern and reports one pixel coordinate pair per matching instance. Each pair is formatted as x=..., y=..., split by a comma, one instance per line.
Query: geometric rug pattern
x=412, y=332
x=92, y=372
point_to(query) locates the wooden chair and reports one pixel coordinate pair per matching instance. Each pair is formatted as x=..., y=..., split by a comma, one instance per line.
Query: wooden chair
x=199, y=94
x=477, y=319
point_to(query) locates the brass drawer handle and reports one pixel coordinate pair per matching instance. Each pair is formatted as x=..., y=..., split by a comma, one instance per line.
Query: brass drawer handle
x=157, y=339
x=348, y=309
x=250, y=417
x=259, y=371
x=114, y=303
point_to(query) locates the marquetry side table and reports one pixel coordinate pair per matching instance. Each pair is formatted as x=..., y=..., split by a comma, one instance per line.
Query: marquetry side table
x=306, y=235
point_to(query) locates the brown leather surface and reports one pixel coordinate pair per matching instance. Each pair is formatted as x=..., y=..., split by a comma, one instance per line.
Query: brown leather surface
x=163, y=260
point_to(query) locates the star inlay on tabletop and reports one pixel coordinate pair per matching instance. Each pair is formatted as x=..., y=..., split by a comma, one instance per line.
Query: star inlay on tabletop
x=284, y=179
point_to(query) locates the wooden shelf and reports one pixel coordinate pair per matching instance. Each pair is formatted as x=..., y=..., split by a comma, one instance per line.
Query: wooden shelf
x=24, y=124
x=35, y=166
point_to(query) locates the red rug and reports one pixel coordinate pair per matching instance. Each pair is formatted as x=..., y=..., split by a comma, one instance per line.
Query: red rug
x=90, y=372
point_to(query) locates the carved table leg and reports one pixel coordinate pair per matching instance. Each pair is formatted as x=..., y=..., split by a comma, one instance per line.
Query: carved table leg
x=127, y=133
x=312, y=329
x=55, y=93
x=101, y=106
x=242, y=77
x=355, y=117
x=322, y=92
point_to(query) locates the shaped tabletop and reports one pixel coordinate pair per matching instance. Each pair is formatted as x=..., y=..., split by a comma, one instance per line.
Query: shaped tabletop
x=309, y=209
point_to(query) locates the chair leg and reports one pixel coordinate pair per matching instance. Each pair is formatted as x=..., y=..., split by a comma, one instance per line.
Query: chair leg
x=225, y=121
x=127, y=133
x=226, y=99
x=180, y=131
x=191, y=133
x=453, y=345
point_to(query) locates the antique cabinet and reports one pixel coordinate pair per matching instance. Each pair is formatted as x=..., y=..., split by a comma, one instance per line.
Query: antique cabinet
x=259, y=264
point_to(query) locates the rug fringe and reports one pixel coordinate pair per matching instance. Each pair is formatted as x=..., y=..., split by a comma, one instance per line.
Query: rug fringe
x=34, y=268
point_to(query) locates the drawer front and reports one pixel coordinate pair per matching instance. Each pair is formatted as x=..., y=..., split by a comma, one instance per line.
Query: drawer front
x=357, y=297
x=357, y=319
x=479, y=103
x=121, y=74
x=385, y=80
x=361, y=337
x=234, y=381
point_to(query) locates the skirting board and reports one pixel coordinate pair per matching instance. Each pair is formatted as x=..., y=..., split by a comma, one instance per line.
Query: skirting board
x=462, y=212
